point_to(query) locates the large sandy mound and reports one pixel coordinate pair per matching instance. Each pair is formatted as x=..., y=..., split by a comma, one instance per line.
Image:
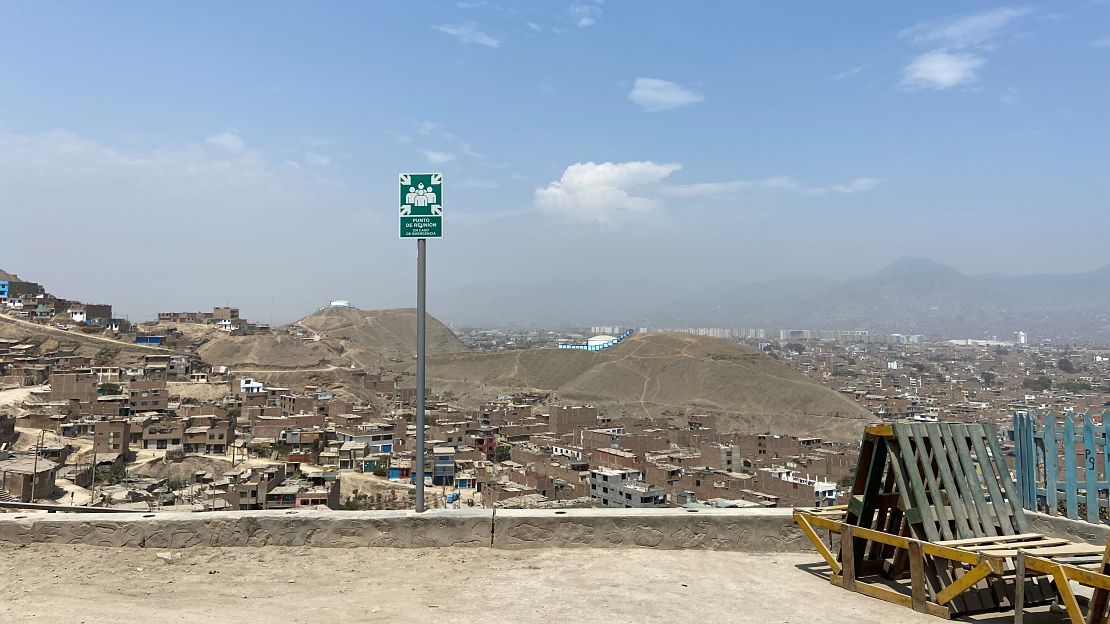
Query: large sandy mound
x=391, y=332
x=661, y=375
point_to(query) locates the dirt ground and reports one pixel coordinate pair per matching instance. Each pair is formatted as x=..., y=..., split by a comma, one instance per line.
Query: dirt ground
x=198, y=391
x=90, y=585
x=434, y=496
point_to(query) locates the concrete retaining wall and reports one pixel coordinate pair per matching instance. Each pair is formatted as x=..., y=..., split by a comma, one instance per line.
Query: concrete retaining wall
x=397, y=529
x=747, y=530
x=1063, y=528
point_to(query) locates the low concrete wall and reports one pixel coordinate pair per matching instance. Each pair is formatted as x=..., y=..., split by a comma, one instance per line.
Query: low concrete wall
x=1063, y=528
x=747, y=530
x=397, y=529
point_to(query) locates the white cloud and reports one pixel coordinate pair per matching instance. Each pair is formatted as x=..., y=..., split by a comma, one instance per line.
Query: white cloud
x=959, y=43
x=316, y=159
x=437, y=158
x=229, y=141
x=1101, y=42
x=659, y=95
x=585, y=14
x=469, y=150
x=534, y=27
x=964, y=31
x=849, y=72
x=941, y=69
x=729, y=188
x=857, y=185
x=426, y=127
x=468, y=34
x=59, y=170
x=603, y=192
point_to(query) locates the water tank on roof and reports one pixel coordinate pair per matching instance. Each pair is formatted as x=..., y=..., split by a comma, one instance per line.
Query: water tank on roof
x=600, y=340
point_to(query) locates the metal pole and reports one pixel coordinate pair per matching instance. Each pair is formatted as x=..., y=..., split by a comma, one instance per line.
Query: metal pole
x=421, y=265
x=35, y=470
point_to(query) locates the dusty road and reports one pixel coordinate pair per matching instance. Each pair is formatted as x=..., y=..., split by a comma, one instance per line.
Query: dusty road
x=15, y=396
x=78, y=336
x=90, y=585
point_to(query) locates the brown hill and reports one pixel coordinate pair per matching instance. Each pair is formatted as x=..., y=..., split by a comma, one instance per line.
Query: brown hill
x=277, y=351
x=8, y=277
x=368, y=335
x=331, y=338
x=661, y=376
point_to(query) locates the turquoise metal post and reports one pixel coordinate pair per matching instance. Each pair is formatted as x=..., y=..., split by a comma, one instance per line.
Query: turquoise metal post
x=1031, y=464
x=1090, y=474
x=1051, y=450
x=1071, y=481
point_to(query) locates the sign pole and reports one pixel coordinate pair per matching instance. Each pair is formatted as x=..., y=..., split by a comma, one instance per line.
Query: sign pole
x=421, y=217
x=421, y=265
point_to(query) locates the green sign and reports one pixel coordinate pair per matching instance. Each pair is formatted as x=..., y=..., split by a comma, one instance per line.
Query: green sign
x=421, y=205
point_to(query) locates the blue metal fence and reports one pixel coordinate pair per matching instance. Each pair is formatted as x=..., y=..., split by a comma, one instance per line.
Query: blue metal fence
x=1063, y=458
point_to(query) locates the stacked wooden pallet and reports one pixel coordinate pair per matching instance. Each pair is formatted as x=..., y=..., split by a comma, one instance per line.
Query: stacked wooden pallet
x=934, y=523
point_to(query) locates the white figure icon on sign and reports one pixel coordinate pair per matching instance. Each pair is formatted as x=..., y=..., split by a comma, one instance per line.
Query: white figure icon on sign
x=421, y=198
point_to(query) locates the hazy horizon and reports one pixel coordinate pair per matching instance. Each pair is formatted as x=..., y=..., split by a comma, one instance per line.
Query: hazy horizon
x=175, y=157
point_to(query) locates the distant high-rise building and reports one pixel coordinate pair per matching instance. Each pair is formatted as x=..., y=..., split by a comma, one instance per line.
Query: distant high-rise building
x=1021, y=338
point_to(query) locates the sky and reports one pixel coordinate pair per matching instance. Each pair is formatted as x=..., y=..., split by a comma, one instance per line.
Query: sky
x=176, y=156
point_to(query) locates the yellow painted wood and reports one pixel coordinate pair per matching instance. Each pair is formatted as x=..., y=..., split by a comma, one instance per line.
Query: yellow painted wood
x=880, y=430
x=818, y=543
x=917, y=577
x=999, y=539
x=1067, y=596
x=971, y=577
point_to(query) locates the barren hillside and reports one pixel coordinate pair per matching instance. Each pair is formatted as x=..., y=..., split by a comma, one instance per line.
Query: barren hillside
x=662, y=375
x=97, y=347
x=369, y=336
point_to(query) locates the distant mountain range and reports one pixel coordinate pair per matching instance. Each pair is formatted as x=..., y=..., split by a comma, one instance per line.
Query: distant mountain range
x=910, y=296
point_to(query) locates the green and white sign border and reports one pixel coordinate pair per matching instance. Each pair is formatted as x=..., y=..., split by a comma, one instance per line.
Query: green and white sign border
x=435, y=211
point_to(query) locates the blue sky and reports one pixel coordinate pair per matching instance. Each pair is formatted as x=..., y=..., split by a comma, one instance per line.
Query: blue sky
x=182, y=155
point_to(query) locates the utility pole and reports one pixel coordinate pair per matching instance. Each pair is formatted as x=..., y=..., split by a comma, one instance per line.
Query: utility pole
x=35, y=470
x=92, y=486
x=421, y=267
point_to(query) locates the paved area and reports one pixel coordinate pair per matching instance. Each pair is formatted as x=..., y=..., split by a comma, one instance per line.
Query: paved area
x=90, y=585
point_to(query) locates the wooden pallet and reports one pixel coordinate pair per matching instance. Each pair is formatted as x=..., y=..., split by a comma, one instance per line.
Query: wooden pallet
x=1083, y=568
x=934, y=504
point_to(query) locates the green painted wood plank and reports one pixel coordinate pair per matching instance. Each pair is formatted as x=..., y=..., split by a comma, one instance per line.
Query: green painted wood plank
x=1003, y=498
x=975, y=484
x=979, y=522
x=911, y=468
x=935, y=444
